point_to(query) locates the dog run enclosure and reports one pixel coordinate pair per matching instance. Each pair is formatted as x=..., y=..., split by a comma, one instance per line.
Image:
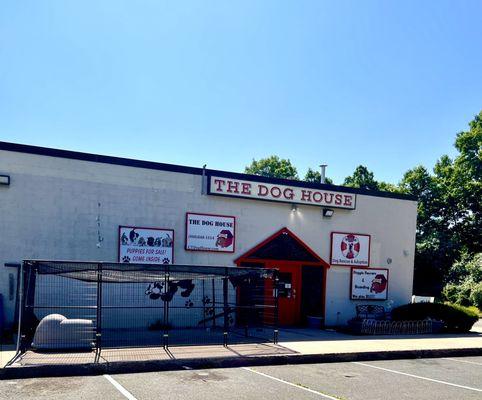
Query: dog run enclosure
x=70, y=306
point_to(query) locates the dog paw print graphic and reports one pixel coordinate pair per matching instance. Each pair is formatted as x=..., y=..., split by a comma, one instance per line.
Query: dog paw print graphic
x=126, y=259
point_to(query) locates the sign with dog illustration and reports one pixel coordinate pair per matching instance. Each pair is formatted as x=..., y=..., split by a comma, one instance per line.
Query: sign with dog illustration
x=208, y=232
x=369, y=283
x=146, y=245
x=350, y=249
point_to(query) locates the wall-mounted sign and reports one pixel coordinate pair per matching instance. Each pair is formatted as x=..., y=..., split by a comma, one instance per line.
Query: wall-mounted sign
x=207, y=232
x=350, y=249
x=369, y=283
x=146, y=245
x=281, y=193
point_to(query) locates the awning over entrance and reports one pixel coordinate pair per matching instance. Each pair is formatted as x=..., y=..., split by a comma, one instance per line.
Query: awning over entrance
x=282, y=245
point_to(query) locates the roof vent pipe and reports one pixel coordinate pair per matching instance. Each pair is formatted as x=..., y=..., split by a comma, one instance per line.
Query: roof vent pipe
x=322, y=175
x=204, y=181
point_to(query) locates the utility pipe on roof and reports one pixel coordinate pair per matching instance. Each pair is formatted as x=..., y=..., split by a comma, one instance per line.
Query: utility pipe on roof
x=322, y=175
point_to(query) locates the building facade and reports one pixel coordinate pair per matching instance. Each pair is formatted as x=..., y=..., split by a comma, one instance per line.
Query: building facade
x=335, y=246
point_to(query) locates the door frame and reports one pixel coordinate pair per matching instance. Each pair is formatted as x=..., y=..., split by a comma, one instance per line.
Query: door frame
x=267, y=262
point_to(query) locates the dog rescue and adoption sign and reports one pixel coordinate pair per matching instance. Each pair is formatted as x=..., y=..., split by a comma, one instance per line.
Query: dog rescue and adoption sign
x=350, y=249
x=208, y=232
x=146, y=245
x=369, y=283
x=281, y=193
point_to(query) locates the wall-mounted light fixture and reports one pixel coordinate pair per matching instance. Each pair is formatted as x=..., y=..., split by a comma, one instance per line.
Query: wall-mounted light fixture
x=4, y=180
x=294, y=208
x=328, y=212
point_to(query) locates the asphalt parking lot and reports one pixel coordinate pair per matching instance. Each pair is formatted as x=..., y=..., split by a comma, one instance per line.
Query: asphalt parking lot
x=436, y=378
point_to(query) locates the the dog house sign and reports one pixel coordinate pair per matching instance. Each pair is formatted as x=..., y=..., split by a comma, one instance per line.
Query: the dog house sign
x=208, y=232
x=232, y=187
x=146, y=245
x=369, y=283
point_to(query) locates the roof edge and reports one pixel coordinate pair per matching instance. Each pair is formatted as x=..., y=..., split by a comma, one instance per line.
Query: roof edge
x=130, y=162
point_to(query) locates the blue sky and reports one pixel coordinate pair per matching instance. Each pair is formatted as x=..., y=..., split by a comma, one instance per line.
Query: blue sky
x=381, y=83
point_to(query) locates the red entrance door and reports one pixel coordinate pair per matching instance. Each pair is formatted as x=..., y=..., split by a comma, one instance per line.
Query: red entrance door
x=289, y=294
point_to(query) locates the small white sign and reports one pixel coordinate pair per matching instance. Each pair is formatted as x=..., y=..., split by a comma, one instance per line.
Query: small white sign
x=209, y=232
x=350, y=249
x=146, y=245
x=369, y=283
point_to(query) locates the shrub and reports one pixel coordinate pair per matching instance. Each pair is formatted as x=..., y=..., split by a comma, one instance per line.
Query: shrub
x=465, y=289
x=460, y=293
x=451, y=292
x=476, y=295
x=456, y=318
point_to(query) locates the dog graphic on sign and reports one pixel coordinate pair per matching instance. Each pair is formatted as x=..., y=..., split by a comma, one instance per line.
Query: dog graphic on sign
x=350, y=246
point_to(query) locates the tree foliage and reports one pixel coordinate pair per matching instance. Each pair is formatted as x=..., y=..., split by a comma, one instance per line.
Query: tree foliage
x=361, y=178
x=315, y=177
x=449, y=221
x=272, y=167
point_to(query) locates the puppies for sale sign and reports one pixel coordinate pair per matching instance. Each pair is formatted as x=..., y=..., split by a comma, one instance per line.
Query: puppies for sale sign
x=145, y=245
x=207, y=232
x=350, y=249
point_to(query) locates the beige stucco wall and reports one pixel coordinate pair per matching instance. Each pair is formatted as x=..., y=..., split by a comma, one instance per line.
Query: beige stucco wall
x=52, y=207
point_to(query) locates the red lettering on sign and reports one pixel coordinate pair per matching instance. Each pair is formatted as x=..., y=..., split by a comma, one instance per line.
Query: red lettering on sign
x=338, y=199
x=347, y=200
x=246, y=188
x=306, y=195
x=288, y=194
x=262, y=190
x=219, y=182
x=233, y=187
x=330, y=200
x=317, y=197
x=275, y=192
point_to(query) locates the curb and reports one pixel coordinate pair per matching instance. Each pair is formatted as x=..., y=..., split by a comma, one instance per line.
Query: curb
x=126, y=367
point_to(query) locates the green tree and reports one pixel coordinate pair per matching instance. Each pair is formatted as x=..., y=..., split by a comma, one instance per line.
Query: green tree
x=362, y=178
x=466, y=186
x=315, y=177
x=272, y=167
x=449, y=215
x=388, y=187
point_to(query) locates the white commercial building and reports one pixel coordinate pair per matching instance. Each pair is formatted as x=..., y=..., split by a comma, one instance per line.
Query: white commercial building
x=335, y=246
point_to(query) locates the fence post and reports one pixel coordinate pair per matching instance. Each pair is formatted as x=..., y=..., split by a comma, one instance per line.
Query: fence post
x=20, y=309
x=275, y=293
x=98, y=330
x=204, y=306
x=214, y=303
x=225, y=308
x=165, y=335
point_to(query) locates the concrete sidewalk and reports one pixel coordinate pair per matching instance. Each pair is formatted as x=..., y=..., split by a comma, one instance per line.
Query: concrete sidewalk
x=310, y=342
x=295, y=346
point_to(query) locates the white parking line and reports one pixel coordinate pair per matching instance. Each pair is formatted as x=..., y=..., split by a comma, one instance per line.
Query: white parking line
x=418, y=377
x=462, y=361
x=120, y=388
x=291, y=384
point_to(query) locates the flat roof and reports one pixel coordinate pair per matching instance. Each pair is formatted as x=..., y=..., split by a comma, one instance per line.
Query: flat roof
x=129, y=162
